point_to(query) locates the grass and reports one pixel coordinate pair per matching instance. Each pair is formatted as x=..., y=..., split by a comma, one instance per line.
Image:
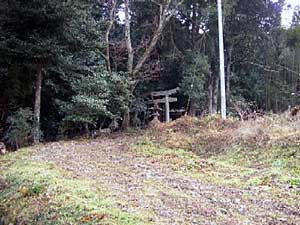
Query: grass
x=41, y=193
x=181, y=159
x=268, y=172
x=242, y=154
x=272, y=165
x=240, y=166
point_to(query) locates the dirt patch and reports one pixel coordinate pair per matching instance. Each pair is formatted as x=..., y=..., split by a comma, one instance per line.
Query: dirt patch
x=152, y=188
x=189, y=171
x=3, y=184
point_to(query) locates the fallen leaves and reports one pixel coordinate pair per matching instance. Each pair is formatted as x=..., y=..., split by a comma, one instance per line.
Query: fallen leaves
x=24, y=191
x=93, y=217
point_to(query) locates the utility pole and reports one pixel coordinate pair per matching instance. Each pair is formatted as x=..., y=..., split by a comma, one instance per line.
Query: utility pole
x=222, y=70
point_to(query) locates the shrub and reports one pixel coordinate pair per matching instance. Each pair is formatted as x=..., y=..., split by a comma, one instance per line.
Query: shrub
x=96, y=95
x=20, y=126
x=195, y=70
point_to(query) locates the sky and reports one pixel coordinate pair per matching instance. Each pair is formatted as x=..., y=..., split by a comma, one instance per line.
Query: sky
x=287, y=14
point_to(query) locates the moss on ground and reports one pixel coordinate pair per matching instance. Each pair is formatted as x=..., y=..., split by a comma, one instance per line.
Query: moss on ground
x=41, y=193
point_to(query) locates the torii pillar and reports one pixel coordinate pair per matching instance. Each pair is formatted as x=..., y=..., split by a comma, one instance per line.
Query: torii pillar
x=166, y=100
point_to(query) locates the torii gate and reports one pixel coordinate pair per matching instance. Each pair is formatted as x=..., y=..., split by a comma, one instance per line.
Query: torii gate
x=166, y=100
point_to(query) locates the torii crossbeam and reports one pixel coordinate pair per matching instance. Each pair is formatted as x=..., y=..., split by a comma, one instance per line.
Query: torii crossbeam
x=166, y=100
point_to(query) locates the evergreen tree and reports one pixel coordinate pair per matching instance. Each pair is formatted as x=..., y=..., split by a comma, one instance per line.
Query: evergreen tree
x=44, y=39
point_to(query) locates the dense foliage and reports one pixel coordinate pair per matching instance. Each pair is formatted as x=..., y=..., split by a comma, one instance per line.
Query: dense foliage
x=20, y=126
x=80, y=64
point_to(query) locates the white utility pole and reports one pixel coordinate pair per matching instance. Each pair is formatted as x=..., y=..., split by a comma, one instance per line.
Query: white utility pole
x=222, y=70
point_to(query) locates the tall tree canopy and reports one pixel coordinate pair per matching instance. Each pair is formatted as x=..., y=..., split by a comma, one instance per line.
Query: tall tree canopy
x=80, y=64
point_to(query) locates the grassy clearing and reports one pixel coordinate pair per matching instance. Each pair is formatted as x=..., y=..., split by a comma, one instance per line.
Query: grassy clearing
x=240, y=166
x=273, y=170
x=255, y=154
x=261, y=161
x=40, y=193
x=181, y=160
x=271, y=165
x=266, y=173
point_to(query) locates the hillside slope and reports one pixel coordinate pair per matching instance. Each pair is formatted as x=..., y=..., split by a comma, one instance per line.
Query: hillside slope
x=189, y=171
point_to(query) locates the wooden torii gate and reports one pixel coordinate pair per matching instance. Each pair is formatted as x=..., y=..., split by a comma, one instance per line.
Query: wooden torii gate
x=165, y=100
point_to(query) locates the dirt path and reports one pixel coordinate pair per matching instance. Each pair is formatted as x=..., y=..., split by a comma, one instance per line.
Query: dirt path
x=153, y=189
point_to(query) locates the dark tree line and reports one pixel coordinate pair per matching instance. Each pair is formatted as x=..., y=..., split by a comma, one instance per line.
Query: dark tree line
x=70, y=67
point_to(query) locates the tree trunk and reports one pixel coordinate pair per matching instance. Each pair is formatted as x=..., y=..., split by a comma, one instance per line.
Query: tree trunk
x=195, y=26
x=192, y=110
x=210, y=94
x=87, y=130
x=112, y=15
x=165, y=14
x=228, y=73
x=128, y=39
x=148, y=50
x=130, y=54
x=215, y=95
x=126, y=119
x=37, y=106
x=126, y=114
x=163, y=19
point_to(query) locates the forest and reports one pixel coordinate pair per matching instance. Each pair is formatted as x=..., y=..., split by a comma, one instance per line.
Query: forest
x=71, y=67
x=110, y=112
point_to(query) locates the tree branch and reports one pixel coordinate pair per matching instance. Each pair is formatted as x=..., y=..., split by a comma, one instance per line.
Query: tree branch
x=164, y=18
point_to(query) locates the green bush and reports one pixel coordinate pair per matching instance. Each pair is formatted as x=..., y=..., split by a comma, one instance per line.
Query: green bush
x=195, y=70
x=96, y=95
x=20, y=126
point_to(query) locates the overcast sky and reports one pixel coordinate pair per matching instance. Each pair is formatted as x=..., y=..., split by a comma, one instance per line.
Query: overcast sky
x=287, y=14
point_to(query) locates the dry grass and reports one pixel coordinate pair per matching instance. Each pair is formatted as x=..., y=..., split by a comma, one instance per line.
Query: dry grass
x=211, y=135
